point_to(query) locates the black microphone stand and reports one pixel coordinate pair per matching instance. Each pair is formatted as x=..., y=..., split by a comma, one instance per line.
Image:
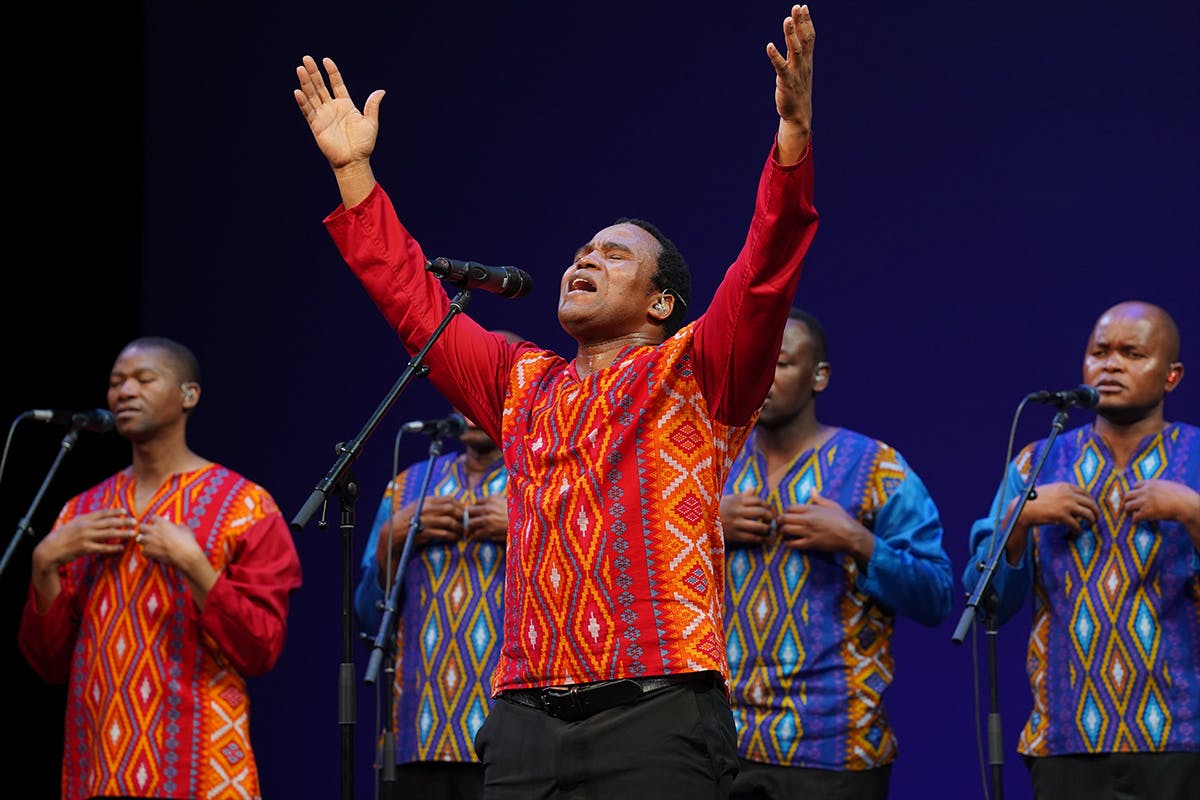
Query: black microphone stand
x=985, y=594
x=339, y=477
x=385, y=640
x=68, y=442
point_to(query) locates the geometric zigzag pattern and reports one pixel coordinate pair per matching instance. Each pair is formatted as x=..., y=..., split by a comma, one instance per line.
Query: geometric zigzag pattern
x=1123, y=681
x=613, y=566
x=154, y=713
x=450, y=625
x=809, y=655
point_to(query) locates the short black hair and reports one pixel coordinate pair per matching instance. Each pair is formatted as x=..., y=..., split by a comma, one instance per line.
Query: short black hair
x=180, y=355
x=672, y=277
x=815, y=330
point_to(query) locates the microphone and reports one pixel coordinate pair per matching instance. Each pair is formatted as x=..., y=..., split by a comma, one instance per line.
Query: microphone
x=1082, y=395
x=453, y=425
x=504, y=281
x=97, y=420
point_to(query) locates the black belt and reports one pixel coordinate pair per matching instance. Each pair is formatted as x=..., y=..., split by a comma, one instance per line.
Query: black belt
x=581, y=700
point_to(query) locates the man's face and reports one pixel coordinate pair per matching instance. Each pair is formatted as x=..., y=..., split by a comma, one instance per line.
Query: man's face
x=1128, y=361
x=144, y=393
x=795, y=377
x=607, y=290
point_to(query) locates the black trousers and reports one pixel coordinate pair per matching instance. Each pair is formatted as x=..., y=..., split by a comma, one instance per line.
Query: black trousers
x=1116, y=776
x=756, y=781
x=675, y=743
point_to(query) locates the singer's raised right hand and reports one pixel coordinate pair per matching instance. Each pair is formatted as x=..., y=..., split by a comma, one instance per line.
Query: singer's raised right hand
x=345, y=135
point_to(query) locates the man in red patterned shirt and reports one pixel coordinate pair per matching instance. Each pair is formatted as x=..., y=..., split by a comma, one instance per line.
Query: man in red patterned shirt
x=157, y=592
x=613, y=668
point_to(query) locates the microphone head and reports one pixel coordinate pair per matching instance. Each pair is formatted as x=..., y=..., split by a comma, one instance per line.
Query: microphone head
x=1088, y=396
x=1082, y=396
x=100, y=420
x=456, y=425
x=517, y=283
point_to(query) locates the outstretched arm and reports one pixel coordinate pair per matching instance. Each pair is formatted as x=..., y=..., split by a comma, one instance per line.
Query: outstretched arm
x=749, y=309
x=793, y=84
x=345, y=135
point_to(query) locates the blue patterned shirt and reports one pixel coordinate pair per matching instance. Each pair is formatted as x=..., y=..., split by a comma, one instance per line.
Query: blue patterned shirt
x=809, y=632
x=1114, y=649
x=450, y=611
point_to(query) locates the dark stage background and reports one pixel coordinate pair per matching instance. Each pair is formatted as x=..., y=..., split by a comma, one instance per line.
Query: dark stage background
x=990, y=177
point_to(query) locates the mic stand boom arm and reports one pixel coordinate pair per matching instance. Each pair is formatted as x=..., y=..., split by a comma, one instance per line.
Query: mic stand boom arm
x=387, y=629
x=351, y=451
x=339, y=477
x=984, y=586
x=389, y=604
x=68, y=442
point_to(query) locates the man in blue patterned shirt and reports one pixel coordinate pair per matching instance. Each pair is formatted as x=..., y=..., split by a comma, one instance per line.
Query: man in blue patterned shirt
x=830, y=534
x=1108, y=547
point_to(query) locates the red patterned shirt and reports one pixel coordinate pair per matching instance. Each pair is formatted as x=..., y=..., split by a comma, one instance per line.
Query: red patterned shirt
x=615, y=566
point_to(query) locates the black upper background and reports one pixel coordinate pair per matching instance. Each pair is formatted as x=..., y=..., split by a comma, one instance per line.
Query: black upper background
x=990, y=177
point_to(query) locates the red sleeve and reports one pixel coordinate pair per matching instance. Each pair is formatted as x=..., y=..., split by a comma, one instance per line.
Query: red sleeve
x=48, y=640
x=750, y=307
x=468, y=364
x=246, y=610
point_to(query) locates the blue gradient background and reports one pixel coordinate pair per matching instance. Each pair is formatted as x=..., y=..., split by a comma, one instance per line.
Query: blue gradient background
x=989, y=176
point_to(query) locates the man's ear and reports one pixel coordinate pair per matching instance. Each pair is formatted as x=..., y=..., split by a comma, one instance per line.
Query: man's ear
x=1174, y=375
x=821, y=375
x=662, y=307
x=191, y=394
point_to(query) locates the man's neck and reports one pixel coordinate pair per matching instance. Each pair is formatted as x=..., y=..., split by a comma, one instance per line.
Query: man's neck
x=782, y=445
x=1123, y=438
x=158, y=459
x=594, y=356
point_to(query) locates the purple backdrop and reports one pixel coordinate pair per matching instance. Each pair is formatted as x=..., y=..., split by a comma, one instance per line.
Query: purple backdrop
x=989, y=179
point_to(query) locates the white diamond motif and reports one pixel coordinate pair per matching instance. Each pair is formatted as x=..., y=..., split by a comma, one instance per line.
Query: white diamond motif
x=761, y=609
